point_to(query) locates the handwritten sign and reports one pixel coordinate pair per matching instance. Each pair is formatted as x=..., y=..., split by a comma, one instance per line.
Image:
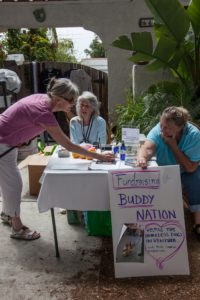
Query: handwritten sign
x=130, y=135
x=148, y=222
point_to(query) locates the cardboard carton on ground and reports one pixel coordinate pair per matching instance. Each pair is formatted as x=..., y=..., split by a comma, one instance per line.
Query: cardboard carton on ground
x=36, y=165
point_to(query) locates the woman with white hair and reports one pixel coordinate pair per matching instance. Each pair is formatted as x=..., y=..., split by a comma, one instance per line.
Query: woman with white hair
x=88, y=126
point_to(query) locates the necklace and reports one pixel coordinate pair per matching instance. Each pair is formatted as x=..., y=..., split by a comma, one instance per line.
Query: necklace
x=86, y=134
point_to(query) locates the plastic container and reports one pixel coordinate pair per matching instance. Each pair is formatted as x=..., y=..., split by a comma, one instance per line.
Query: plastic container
x=123, y=151
x=98, y=223
x=115, y=149
x=74, y=217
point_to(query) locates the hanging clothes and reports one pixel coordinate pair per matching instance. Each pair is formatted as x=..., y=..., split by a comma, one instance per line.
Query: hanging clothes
x=68, y=73
x=81, y=79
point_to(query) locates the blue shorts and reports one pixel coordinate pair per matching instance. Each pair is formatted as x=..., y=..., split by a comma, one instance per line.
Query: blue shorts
x=191, y=185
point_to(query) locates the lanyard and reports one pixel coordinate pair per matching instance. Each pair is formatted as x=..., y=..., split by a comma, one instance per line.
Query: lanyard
x=87, y=134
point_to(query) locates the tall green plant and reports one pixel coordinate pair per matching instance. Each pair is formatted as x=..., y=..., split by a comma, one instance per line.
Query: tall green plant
x=33, y=43
x=128, y=114
x=96, y=48
x=65, y=51
x=144, y=111
x=177, y=47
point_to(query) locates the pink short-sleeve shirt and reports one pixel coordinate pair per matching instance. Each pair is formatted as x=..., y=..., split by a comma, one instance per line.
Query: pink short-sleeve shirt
x=22, y=120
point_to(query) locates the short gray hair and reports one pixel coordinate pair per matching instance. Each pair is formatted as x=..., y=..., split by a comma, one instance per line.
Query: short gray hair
x=91, y=99
x=178, y=114
x=62, y=86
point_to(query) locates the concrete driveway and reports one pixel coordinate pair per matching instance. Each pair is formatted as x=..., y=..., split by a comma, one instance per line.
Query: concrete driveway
x=30, y=270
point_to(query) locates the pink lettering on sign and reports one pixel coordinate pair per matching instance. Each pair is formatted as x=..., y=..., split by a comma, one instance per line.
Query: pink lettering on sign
x=149, y=179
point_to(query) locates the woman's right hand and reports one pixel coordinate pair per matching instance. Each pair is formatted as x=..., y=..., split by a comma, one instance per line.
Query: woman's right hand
x=145, y=153
x=141, y=162
x=107, y=157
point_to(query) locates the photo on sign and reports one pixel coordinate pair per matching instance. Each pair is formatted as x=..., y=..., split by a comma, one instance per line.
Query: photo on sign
x=131, y=244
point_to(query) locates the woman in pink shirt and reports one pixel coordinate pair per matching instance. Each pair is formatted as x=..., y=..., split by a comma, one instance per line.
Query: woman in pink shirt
x=20, y=123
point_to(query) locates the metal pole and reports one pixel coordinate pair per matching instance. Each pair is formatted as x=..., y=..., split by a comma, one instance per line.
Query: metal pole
x=35, y=77
x=54, y=232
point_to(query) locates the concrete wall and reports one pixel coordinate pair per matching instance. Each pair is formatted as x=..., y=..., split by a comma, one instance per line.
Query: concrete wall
x=143, y=79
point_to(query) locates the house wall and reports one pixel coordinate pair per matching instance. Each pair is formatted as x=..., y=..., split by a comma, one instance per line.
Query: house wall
x=143, y=79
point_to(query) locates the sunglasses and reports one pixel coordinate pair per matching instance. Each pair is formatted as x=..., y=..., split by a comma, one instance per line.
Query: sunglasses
x=68, y=100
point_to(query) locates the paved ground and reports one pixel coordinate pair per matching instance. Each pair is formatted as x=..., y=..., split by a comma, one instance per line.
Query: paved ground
x=30, y=270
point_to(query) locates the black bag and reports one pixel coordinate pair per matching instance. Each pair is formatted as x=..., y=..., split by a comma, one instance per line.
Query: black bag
x=13, y=147
x=7, y=151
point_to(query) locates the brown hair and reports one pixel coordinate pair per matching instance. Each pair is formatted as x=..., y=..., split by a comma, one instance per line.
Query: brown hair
x=61, y=86
x=179, y=115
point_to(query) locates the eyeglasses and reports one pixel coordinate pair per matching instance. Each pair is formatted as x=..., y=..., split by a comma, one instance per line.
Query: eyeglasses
x=68, y=100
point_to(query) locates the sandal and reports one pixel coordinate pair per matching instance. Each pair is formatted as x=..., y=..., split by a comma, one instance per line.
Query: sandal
x=25, y=234
x=6, y=219
x=196, y=230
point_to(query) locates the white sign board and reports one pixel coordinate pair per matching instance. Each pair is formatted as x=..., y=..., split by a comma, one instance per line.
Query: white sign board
x=130, y=135
x=148, y=222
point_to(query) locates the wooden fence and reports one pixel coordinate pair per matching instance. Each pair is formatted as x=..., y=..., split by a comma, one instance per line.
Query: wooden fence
x=30, y=75
x=25, y=72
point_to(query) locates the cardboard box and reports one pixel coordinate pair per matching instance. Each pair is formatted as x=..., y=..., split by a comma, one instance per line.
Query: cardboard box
x=36, y=165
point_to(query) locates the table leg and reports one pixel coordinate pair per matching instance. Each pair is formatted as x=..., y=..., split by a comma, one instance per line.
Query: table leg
x=54, y=232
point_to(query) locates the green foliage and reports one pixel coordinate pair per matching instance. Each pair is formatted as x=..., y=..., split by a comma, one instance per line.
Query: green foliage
x=37, y=45
x=129, y=114
x=177, y=46
x=172, y=15
x=144, y=111
x=65, y=51
x=2, y=55
x=33, y=43
x=96, y=49
x=13, y=41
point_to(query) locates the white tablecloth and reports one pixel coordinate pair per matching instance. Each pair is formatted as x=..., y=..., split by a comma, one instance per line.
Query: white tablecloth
x=73, y=189
x=65, y=187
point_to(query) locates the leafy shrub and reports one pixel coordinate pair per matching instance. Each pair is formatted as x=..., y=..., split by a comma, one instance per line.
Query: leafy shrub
x=144, y=111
